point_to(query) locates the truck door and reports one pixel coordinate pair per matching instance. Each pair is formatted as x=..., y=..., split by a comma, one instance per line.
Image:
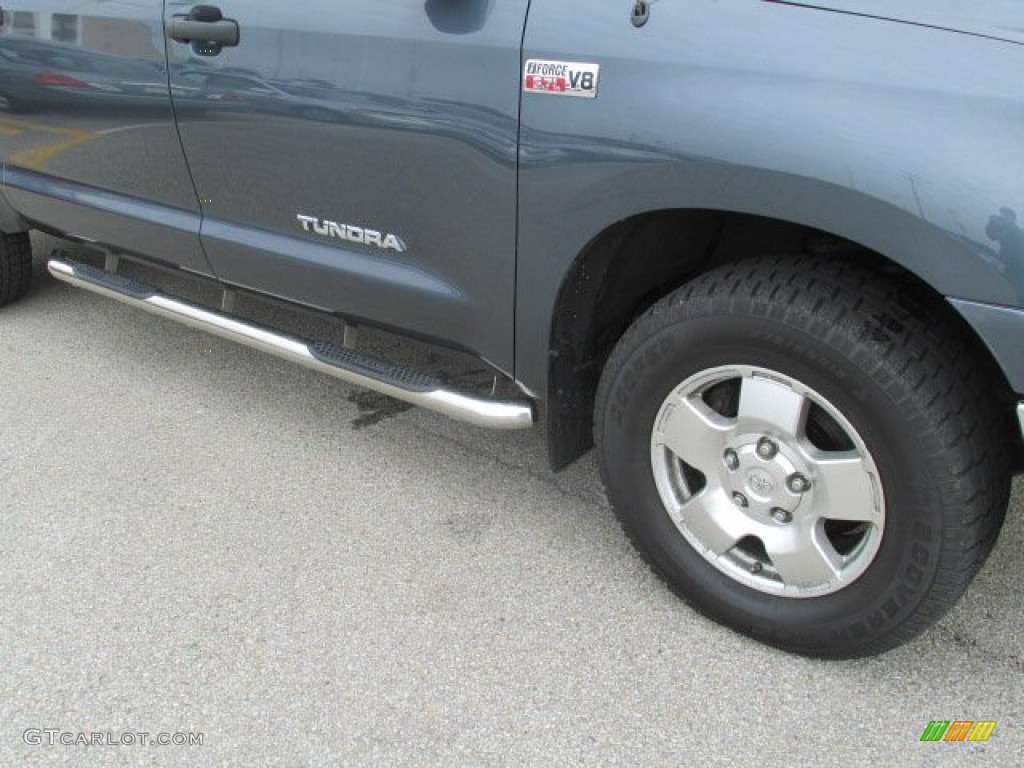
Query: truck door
x=360, y=157
x=87, y=135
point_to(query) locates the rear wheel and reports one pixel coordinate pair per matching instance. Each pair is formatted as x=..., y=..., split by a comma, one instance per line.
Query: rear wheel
x=807, y=451
x=15, y=266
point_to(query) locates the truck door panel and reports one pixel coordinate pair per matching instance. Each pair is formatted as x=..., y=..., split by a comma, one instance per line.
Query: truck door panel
x=87, y=132
x=361, y=158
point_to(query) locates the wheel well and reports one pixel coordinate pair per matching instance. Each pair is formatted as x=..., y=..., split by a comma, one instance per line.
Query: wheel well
x=637, y=261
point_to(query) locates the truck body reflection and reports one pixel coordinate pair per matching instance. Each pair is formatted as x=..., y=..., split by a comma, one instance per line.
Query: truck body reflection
x=41, y=74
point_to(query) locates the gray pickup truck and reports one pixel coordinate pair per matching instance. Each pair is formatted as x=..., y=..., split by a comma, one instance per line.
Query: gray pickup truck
x=765, y=256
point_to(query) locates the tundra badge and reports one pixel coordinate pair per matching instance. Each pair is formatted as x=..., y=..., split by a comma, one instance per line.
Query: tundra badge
x=351, y=233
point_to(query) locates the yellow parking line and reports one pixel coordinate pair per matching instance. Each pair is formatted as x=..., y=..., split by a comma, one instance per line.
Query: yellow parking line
x=36, y=157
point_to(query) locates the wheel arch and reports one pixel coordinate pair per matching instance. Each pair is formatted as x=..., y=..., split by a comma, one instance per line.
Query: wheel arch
x=631, y=263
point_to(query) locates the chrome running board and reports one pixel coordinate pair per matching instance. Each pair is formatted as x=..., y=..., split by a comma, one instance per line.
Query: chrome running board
x=342, y=363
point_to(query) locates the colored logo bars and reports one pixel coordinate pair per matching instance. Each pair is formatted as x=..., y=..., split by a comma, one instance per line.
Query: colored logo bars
x=958, y=730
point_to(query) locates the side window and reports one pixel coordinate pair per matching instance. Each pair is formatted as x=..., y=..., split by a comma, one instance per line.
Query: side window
x=24, y=22
x=64, y=28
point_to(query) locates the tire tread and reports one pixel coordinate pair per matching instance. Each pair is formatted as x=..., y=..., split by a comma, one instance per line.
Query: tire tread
x=916, y=344
x=15, y=266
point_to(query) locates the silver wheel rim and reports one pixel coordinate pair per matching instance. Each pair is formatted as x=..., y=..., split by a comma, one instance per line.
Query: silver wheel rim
x=768, y=481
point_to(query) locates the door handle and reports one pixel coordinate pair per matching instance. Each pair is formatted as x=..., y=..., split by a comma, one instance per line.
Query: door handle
x=203, y=24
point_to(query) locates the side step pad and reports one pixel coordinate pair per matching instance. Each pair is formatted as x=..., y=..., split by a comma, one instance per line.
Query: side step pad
x=345, y=364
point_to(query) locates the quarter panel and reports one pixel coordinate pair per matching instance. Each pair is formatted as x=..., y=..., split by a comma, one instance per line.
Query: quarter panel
x=894, y=136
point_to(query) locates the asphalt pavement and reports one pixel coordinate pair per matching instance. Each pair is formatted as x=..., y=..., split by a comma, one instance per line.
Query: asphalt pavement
x=202, y=542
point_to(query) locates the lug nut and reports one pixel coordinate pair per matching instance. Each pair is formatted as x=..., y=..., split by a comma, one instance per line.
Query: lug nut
x=756, y=567
x=739, y=500
x=766, y=449
x=780, y=515
x=732, y=461
x=797, y=483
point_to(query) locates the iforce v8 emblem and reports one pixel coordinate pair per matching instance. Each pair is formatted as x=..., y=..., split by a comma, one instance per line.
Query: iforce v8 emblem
x=561, y=78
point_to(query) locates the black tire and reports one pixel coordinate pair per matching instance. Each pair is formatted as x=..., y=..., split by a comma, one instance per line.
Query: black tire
x=867, y=366
x=15, y=266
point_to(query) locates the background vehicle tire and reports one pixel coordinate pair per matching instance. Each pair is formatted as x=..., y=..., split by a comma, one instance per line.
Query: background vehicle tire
x=808, y=451
x=15, y=266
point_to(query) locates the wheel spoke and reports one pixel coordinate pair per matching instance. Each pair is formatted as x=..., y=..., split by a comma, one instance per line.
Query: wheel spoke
x=694, y=433
x=768, y=402
x=803, y=557
x=849, y=494
x=714, y=520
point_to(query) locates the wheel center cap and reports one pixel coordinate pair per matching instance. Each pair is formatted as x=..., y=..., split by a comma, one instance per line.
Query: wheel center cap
x=760, y=483
x=762, y=480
